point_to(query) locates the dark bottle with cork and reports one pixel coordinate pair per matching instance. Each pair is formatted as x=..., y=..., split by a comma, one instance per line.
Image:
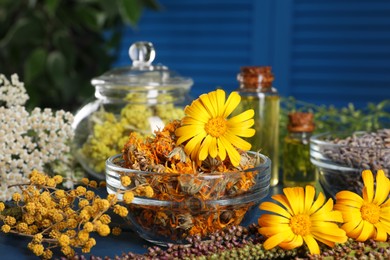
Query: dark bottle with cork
x=297, y=168
x=258, y=93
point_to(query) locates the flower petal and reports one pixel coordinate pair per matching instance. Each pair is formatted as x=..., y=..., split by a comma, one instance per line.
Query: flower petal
x=310, y=193
x=341, y=237
x=312, y=245
x=297, y=241
x=282, y=199
x=220, y=97
x=242, y=132
x=192, y=144
x=221, y=150
x=270, y=219
x=381, y=233
x=275, y=240
x=188, y=131
x=368, y=180
x=296, y=201
x=237, y=141
x=317, y=203
x=213, y=149
x=335, y=216
x=382, y=187
x=205, y=99
x=234, y=156
x=326, y=208
x=242, y=117
x=274, y=229
x=192, y=121
x=327, y=228
x=198, y=111
x=240, y=125
x=354, y=233
x=275, y=208
x=349, y=198
x=204, y=148
x=368, y=231
x=231, y=104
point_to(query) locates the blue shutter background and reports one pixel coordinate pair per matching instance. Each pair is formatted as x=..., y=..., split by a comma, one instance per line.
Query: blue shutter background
x=324, y=52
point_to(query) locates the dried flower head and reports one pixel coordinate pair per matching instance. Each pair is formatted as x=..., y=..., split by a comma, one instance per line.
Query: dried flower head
x=54, y=217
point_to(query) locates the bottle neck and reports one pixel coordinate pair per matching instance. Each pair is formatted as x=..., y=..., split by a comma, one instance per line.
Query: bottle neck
x=255, y=78
x=301, y=135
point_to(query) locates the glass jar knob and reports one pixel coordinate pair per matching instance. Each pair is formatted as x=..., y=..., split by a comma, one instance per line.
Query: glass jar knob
x=142, y=53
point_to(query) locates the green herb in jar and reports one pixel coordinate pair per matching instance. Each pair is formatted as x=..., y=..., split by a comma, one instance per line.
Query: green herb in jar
x=297, y=168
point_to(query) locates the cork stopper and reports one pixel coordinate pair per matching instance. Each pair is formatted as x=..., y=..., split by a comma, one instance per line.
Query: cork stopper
x=255, y=76
x=300, y=122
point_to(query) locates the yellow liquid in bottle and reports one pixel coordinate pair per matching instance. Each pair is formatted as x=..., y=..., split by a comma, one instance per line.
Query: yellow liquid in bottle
x=266, y=138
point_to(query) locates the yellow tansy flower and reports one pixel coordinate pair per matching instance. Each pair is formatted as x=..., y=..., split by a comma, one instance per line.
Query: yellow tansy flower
x=368, y=216
x=64, y=240
x=207, y=130
x=103, y=230
x=298, y=219
x=5, y=228
x=125, y=180
x=128, y=197
x=116, y=231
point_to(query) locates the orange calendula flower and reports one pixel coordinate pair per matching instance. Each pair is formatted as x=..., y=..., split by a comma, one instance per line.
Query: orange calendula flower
x=209, y=132
x=367, y=217
x=298, y=219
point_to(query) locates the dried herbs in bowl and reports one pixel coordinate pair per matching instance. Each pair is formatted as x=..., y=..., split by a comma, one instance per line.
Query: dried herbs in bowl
x=341, y=157
x=195, y=176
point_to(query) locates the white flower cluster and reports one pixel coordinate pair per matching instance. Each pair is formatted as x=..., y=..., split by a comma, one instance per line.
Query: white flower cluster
x=28, y=140
x=12, y=93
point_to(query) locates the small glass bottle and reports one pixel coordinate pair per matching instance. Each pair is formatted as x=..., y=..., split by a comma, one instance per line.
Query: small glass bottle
x=257, y=93
x=297, y=168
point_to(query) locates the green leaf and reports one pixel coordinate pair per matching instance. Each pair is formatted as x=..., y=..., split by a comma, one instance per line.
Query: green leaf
x=56, y=65
x=51, y=6
x=130, y=11
x=23, y=30
x=35, y=64
x=89, y=17
x=152, y=4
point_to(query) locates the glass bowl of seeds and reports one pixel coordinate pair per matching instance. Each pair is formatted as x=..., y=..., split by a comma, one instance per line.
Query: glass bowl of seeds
x=166, y=207
x=340, y=158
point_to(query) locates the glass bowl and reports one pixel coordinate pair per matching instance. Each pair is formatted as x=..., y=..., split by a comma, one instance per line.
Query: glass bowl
x=198, y=204
x=341, y=157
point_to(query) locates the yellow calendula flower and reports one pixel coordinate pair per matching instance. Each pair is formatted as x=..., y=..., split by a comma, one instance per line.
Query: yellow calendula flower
x=298, y=219
x=209, y=132
x=367, y=217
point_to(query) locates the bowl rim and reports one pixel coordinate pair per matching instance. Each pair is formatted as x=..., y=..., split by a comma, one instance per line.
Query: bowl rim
x=254, y=196
x=266, y=163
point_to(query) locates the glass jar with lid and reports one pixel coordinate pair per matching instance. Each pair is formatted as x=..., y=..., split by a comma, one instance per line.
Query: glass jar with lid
x=139, y=98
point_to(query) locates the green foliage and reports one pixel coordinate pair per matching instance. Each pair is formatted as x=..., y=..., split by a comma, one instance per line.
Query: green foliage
x=57, y=47
x=331, y=118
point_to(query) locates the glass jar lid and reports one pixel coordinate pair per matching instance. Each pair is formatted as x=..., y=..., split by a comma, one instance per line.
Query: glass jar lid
x=142, y=73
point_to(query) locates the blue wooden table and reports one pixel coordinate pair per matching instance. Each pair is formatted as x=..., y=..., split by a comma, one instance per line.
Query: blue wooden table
x=15, y=247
